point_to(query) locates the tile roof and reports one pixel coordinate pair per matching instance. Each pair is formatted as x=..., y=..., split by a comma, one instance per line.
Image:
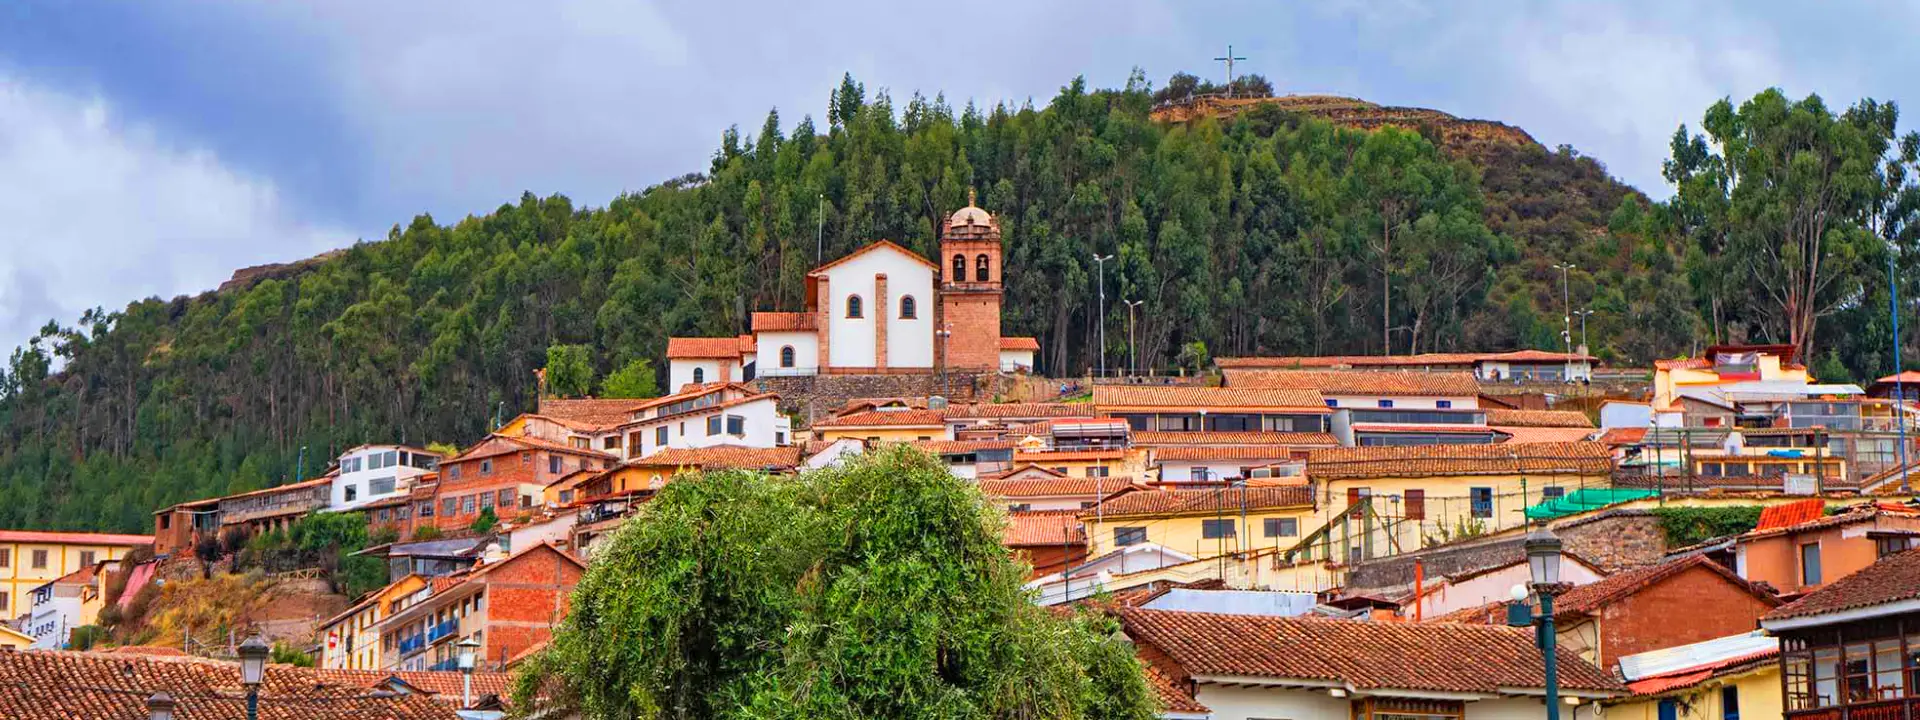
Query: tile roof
x=1357, y=382
x=81, y=538
x=1521, y=435
x=725, y=457
x=1869, y=512
x=1588, y=598
x=1791, y=514
x=1539, y=418
x=784, y=321
x=1065, y=486
x=961, y=447
x=1442, y=460
x=1334, y=361
x=1045, y=456
x=592, y=413
x=444, y=684
x=1172, y=697
x=871, y=247
x=885, y=418
x=1253, y=437
x=1106, y=396
x=1894, y=578
x=1044, y=527
x=1622, y=436
x=702, y=347
x=1019, y=343
x=525, y=442
x=1018, y=410
x=1373, y=656
x=1181, y=502
x=1211, y=452
x=45, y=685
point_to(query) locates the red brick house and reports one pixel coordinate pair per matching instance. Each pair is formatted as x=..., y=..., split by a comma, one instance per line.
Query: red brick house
x=1049, y=540
x=507, y=606
x=505, y=473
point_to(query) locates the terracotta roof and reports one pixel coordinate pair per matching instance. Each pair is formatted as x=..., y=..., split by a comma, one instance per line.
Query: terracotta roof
x=783, y=321
x=1539, y=418
x=1520, y=435
x=885, y=418
x=81, y=538
x=1622, y=436
x=1046, y=456
x=1018, y=410
x=1441, y=460
x=719, y=457
x=870, y=247
x=1683, y=364
x=592, y=413
x=1172, y=697
x=702, y=347
x=444, y=684
x=37, y=685
x=1020, y=343
x=1210, y=452
x=524, y=442
x=1791, y=514
x=1180, y=502
x=1254, y=437
x=1909, y=376
x=1397, y=360
x=1857, y=514
x=1894, y=578
x=961, y=447
x=1357, y=382
x=1105, y=396
x=1056, y=487
x=1449, y=428
x=1668, y=682
x=1589, y=598
x=1044, y=527
x=1376, y=656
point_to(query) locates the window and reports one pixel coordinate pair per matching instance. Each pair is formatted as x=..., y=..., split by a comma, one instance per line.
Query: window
x=1199, y=473
x=506, y=497
x=713, y=425
x=1730, y=702
x=380, y=486
x=1386, y=403
x=1097, y=472
x=467, y=505
x=1019, y=507
x=1129, y=535
x=980, y=270
x=1443, y=404
x=786, y=356
x=1885, y=545
x=699, y=375
x=1213, y=529
x=1332, y=402
x=1416, y=508
x=86, y=558
x=959, y=268
x=736, y=425
x=660, y=436
x=486, y=467
x=4, y=600
x=1809, y=564
x=1552, y=492
x=486, y=500
x=1358, y=498
x=555, y=464
x=448, y=505
x=39, y=559
x=854, y=309
x=1669, y=709
x=426, y=509
x=453, y=472
x=353, y=493
x=610, y=442
x=907, y=309
x=1482, y=498
x=1282, y=527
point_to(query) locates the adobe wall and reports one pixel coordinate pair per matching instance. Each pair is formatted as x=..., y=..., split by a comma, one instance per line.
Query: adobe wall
x=812, y=397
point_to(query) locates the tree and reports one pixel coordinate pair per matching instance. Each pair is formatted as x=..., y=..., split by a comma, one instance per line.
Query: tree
x=635, y=380
x=876, y=589
x=569, y=372
x=485, y=521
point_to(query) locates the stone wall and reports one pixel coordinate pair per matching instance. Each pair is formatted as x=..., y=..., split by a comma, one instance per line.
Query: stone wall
x=1611, y=540
x=1616, y=539
x=811, y=397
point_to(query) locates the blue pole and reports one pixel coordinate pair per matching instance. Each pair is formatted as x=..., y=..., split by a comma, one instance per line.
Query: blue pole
x=1899, y=388
x=1546, y=648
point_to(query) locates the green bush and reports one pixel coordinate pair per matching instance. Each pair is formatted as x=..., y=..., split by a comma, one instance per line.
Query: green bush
x=1686, y=526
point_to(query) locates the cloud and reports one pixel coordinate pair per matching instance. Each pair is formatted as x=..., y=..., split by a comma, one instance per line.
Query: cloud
x=99, y=210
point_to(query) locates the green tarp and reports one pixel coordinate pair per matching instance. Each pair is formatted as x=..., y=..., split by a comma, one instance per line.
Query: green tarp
x=1580, y=501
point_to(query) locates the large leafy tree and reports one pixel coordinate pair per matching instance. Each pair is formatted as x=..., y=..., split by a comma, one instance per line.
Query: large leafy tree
x=875, y=589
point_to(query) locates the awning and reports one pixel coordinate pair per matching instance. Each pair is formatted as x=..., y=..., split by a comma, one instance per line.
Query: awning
x=1585, y=500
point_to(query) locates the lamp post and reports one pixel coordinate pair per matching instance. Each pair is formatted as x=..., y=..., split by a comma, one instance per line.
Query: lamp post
x=253, y=669
x=1566, y=306
x=1101, y=260
x=1584, y=313
x=160, y=706
x=1133, y=350
x=1543, y=564
x=1899, y=386
x=468, y=648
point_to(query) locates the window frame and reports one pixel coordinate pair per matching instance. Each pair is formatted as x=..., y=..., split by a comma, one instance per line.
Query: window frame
x=1128, y=535
x=855, y=307
x=1280, y=527
x=788, y=356
x=909, y=308
x=1218, y=528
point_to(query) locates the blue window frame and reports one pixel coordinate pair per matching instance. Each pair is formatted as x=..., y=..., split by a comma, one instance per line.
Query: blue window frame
x=1482, y=501
x=1443, y=404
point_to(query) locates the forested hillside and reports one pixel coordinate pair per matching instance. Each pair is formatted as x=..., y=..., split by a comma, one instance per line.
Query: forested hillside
x=1268, y=232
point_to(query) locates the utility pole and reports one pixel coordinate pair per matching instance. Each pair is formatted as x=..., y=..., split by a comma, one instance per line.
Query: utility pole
x=1229, y=59
x=1899, y=387
x=820, y=232
x=1101, y=261
x=1133, y=350
x=1566, y=306
x=1584, y=313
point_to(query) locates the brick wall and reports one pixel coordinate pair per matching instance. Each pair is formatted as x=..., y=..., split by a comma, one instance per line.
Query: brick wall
x=974, y=319
x=526, y=598
x=1691, y=607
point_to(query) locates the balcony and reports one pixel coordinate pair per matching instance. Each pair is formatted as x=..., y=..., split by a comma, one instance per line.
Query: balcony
x=412, y=643
x=442, y=630
x=447, y=664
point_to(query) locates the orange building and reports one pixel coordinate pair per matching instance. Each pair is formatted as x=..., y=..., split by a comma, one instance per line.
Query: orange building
x=1798, y=548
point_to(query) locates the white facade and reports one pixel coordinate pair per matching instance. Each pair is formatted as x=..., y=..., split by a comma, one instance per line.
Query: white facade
x=759, y=423
x=771, y=344
x=1488, y=587
x=1016, y=361
x=1499, y=370
x=682, y=372
x=1267, y=703
x=378, y=472
x=853, y=341
x=1175, y=471
x=55, y=613
x=1406, y=402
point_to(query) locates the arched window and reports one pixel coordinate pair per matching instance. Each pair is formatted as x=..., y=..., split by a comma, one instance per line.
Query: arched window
x=959, y=268
x=699, y=375
x=908, y=309
x=854, y=310
x=786, y=356
x=983, y=266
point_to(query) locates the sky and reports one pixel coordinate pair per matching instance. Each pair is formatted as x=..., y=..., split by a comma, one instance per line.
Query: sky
x=149, y=149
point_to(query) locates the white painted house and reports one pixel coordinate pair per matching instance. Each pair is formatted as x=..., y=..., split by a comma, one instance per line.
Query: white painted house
x=706, y=416
x=370, y=473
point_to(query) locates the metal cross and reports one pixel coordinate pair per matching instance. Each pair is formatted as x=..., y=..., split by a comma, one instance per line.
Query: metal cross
x=1229, y=60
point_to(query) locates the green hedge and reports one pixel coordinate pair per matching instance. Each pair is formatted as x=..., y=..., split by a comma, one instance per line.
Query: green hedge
x=1693, y=525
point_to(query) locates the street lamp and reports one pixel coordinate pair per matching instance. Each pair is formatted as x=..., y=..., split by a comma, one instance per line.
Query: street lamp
x=1566, y=306
x=468, y=649
x=160, y=706
x=1133, y=351
x=253, y=669
x=1543, y=564
x=1101, y=260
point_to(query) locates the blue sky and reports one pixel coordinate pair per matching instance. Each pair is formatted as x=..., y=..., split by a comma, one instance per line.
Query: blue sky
x=151, y=148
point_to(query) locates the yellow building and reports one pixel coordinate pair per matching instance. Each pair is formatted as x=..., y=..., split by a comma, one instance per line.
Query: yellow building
x=1730, y=677
x=32, y=558
x=653, y=471
x=1383, y=500
x=885, y=425
x=1724, y=364
x=1114, y=462
x=351, y=640
x=14, y=639
x=1200, y=522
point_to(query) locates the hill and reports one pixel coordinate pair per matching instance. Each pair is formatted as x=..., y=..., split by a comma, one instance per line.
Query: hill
x=1272, y=229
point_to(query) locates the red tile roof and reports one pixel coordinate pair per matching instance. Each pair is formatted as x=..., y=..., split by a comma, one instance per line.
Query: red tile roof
x=1791, y=514
x=1172, y=697
x=870, y=247
x=1150, y=438
x=589, y=413
x=1667, y=682
x=1181, y=453
x=783, y=321
x=1357, y=382
x=1019, y=343
x=520, y=442
x=1182, y=502
x=1055, y=487
x=1000, y=411
x=1047, y=456
x=962, y=447
x=1169, y=396
x=1622, y=436
x=718, y=457
x=445, y=685
x=1895, y=578
x=703, y=347
x=37, y=685
x=81, y=538
x=1044, y=528
x=886, y=418
x=1539, y=418
x=1447, y=460
x=1334, y=361
x=1378, y=656
x=1588, y=598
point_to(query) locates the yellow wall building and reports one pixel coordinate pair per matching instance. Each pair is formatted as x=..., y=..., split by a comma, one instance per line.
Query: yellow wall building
x=890, y=425
x=351, y=640
x=1753, y=688
x=1723, y=364
x=32, y=558
x=1115, y=463
x=1201, y=522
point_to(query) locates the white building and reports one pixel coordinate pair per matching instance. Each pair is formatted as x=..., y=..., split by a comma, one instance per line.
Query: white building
x=60, y=606
x=378, y=472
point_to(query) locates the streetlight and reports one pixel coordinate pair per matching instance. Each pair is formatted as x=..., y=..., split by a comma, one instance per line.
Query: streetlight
x=253, y=669
x=1133, y=350
x=468, y=648
x=1543, y=563
x=1566, y=305
x=1585, y=313
x=160, y=706
x=1101, y=260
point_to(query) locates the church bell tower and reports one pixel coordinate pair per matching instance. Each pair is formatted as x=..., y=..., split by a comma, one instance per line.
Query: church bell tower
x=970, y=290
